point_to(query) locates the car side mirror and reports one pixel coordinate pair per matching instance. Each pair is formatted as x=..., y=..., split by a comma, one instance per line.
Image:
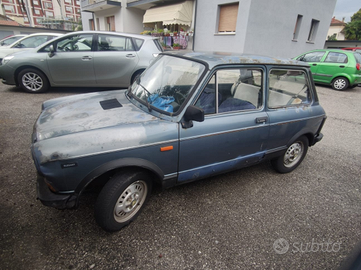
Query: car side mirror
x=192, y=113
x=51, y=51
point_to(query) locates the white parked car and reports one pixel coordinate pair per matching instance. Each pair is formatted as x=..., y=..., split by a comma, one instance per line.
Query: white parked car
x=27, y=42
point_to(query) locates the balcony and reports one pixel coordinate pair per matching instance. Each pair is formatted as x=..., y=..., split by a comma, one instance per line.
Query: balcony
x=98, y=5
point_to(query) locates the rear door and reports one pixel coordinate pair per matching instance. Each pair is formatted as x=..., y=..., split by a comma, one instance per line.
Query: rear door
x=333, y=65
x=115, y=60
x=73, y=63
x=289, y=107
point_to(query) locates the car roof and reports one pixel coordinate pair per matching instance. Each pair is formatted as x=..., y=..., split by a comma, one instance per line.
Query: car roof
x=37, y=34
x=113, y=33
x=329, y=50
x=220, y=58
x=22, y=35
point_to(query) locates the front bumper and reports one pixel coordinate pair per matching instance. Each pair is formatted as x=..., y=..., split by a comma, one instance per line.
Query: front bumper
x=7, y=74
x=49, y=198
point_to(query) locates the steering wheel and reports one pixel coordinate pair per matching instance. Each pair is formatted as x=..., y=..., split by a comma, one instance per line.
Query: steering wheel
x=179, y=97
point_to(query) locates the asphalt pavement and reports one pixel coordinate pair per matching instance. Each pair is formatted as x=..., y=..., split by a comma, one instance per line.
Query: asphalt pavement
x=253, y=218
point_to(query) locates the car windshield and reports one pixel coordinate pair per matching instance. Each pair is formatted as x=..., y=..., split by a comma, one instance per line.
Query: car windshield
x=10, y=40
x=167, y=83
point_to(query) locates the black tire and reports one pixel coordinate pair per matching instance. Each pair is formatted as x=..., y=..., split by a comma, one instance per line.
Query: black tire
x=33, y=81
x=122, y=199
x=340, y=83
x=292, y=157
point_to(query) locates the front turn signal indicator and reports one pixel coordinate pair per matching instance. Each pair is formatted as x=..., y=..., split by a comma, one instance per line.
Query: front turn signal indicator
x=166, y=148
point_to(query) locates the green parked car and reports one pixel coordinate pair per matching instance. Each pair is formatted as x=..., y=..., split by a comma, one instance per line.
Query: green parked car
x=338, y=68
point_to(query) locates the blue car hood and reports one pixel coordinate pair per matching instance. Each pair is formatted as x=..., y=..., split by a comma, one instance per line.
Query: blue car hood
x=87, y=112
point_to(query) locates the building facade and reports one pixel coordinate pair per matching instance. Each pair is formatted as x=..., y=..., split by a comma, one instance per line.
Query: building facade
x=53, y=14
x=247, y=26
x=262, y=27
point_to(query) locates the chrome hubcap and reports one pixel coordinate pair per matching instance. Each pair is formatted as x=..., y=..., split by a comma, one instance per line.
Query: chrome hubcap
x=32, y=81
x=293, y=154
x=340, y=84
x=130, y=201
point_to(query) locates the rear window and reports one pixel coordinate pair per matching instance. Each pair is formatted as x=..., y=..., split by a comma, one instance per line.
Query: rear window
x=335, y=57
x=156, y=42
x=357, y=57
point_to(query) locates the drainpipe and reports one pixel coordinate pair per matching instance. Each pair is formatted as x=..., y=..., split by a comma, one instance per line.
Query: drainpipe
x=194, y=27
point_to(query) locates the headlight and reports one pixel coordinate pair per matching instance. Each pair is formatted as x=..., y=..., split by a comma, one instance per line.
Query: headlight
x=7, y=59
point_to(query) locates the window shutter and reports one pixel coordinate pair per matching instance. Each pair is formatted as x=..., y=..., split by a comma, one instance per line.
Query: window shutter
x=228, y=18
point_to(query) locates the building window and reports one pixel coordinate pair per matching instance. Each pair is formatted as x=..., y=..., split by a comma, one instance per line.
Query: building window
x=48, y=5
x=228, y=18
x=111, y=23
x=91, y=24
x=313, y=30
x=10, y=9
x=297, y=27
x=49, y=14
x=37, y=12
x=69, y=9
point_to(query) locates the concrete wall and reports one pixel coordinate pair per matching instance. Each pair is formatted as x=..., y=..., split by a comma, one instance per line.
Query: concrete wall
x=264, y=27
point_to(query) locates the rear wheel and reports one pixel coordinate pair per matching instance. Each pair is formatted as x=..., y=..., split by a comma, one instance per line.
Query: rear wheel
x=122, y=199
x=33, y=81
x=293, y=156
x=340, y=83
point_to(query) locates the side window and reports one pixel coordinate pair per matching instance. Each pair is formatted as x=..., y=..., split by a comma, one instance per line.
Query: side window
x=335, y=57
x=75, y=43
x=288, y=87
x=311, y=57
x=207, y=100
x=31, y=42
x=232, y=90
x=114, y=43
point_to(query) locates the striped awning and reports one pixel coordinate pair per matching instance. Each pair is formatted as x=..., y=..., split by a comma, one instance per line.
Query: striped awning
x=181, y=13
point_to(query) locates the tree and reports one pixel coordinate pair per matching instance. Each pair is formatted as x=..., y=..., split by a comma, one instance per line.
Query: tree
x=353, y=28
x=332, y=38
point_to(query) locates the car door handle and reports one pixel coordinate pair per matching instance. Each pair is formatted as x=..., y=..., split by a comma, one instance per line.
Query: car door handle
x=87, y=58
x=342, y=66
x=314, y=64
x=130, y=55
x=260, y=120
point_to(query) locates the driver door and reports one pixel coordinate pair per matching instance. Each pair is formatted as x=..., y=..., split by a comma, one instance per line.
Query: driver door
x=235, y=129
x=72, y=62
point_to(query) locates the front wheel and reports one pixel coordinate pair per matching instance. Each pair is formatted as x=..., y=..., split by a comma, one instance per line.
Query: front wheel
x=33, y=81
x=293, y=156
x=340, y=83
x=121, y=199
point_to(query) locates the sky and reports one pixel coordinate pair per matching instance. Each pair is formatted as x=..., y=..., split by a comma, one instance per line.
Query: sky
x=346, y=8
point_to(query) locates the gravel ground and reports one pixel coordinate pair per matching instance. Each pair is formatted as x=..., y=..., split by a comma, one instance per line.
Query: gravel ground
x=253, y=218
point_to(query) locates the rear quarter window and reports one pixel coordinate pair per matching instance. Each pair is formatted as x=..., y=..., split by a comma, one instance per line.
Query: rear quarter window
x=138, y=43
x=288, y=87
x=357, y=57
x=157, y=44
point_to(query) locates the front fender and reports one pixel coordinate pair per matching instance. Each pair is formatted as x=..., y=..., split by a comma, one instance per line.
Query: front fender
x=118, y=164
